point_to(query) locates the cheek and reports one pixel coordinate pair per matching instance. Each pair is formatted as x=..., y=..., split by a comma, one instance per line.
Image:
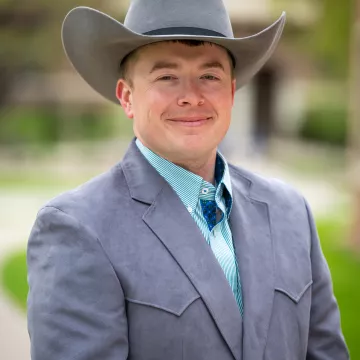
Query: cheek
x=154, y=102
x=219, y=93
x=222, y=102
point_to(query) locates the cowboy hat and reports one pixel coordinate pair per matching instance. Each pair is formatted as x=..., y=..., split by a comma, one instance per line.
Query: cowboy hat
x=95, y=43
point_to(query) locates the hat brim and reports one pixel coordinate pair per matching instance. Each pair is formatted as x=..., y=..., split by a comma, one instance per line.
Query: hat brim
x=95, y=44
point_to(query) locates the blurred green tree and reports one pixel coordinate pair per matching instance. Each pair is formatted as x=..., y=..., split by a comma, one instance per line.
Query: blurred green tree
x=335, y=44
x=331, y=36
x=31, y=43
x=354, y=123
x=327, y=38
x=30, y=37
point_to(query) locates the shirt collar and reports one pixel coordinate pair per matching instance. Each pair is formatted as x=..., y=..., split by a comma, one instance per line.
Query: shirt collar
x=188, y=185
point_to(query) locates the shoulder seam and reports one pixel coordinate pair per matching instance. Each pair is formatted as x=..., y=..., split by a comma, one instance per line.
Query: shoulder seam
x=88, y=230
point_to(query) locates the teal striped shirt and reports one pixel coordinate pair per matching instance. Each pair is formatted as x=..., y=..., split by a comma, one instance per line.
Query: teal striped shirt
x=193, y=190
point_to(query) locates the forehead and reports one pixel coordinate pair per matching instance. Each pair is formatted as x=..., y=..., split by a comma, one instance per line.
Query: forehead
x=181, y=53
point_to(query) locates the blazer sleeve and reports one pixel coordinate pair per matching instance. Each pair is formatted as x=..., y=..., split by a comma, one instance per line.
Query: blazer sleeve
x=326, y=341
x=76, y=306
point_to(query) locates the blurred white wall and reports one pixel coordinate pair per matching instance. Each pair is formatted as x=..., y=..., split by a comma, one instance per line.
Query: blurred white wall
x=238, y=9
x=291, y=104
x=256, y=10
x=237, y=141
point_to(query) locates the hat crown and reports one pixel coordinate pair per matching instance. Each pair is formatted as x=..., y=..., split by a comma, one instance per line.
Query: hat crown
x=145, y=16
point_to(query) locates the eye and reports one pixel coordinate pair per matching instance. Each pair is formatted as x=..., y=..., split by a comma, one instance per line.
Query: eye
x=210, y=77
x=167, y=78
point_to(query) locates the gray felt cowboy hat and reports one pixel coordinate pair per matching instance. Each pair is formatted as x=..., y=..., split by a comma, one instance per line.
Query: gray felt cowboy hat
x=95, y=43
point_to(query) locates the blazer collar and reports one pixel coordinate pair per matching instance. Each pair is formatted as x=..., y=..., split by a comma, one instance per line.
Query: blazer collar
x=143, y=180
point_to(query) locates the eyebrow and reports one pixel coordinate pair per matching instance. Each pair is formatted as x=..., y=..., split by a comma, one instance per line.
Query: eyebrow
x=160, y=65
x=213, y=64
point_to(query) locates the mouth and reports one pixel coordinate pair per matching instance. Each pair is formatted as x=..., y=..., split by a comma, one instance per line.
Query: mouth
x=190, y=121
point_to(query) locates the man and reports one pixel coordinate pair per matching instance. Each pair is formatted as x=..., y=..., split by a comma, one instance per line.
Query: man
x=173, y=253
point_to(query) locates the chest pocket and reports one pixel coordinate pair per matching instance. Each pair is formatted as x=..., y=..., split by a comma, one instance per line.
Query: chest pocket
x=293, y=270
x=174, y=303
x=165, y=288
x=295, y=292
x=159, y=307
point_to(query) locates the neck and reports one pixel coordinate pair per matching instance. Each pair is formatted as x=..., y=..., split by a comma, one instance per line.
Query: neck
x=204, y=168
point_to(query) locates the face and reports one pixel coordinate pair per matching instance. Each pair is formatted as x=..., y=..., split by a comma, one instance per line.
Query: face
x=180, y=99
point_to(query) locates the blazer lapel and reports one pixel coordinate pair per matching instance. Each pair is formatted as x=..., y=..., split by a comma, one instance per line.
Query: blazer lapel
x=250, y=226
x=169, y=220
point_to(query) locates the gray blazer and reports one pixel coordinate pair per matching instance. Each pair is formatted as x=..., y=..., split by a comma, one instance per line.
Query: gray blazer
x=118, y=269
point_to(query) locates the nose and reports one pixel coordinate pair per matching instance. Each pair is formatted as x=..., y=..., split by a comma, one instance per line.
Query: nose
x=190, y=94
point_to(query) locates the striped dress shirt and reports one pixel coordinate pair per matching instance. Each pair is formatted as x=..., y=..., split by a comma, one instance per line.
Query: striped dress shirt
x=199, y=195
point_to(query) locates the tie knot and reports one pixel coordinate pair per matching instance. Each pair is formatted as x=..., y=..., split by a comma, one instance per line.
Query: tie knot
x=209, y=208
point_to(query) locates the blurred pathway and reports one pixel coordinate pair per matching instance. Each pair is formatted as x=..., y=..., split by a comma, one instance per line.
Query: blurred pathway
x=18, y=209
x=17, y=214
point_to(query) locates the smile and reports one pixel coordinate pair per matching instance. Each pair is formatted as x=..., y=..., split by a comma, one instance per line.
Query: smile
x=191, y=122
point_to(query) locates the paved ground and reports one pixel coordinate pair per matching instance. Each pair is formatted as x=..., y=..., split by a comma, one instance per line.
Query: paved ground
x=18, y=211
x=14, y=341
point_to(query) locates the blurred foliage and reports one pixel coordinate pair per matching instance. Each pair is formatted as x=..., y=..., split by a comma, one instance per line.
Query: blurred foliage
x=327, y=39
x=14, y=278
x=345, y=269
x=326, y=124
x=46, y=126
x=344, y=266
x=30, y=37
x=330, y=38
x=31, y=42
x=41, y=181
x=23, y=126
x=30, y=31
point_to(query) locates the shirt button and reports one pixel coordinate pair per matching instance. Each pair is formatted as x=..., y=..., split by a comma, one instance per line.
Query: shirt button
x=204, y=191
x=189, y=209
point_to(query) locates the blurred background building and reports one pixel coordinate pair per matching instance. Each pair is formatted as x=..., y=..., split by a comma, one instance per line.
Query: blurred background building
x=298, y=119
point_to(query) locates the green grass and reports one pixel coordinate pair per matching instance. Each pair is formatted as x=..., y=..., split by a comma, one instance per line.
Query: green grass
x=345, y=269
x=13, y=277
x=23, y=181
x=11, y=180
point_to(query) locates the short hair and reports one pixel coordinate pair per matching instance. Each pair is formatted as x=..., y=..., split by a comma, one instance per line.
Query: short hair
x=132, y=57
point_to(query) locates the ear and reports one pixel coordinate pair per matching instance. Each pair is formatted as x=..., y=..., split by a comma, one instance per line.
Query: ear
x=233, y=90
x=124, y=95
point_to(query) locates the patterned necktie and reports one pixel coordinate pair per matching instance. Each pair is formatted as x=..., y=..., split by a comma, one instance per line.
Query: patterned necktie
x=209, y=211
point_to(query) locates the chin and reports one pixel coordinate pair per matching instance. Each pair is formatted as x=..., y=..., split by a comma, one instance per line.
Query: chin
x=195, y=148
